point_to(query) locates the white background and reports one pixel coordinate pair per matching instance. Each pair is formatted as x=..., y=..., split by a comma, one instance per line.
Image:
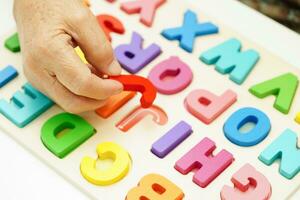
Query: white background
x=22, y=176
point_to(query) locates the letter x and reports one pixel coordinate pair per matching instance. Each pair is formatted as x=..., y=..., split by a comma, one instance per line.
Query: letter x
x=189, y=31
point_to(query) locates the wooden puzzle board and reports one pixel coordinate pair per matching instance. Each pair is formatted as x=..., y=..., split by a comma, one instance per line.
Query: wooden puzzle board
x=139, y=139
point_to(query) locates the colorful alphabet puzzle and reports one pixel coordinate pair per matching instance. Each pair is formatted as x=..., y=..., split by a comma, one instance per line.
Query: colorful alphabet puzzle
x=206, y=113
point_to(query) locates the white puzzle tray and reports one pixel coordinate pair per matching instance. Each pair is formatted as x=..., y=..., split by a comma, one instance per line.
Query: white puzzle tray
x=139, y=139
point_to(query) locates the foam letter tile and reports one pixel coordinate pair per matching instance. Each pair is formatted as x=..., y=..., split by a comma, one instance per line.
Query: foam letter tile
x=76, y=131
x=164, y=145
x=207, y=167
x=25, y=107
x=146, y=8
x=12, y=43
x=118, y=170
x=171, y=76
x=133, y=57
x=7, y=74
x=240, y=118
x=297, y=119
x=110, y=24
x=243, y=179
x=81, y=55
x=285, y=149
x=155, y=187
x=284, y=87
x=206, y=106
x=114, y=103
x=189, y=31
x=228, y=59
x=139, y=84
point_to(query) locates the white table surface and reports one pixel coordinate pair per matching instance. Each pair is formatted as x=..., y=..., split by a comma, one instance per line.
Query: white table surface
x=22, y=176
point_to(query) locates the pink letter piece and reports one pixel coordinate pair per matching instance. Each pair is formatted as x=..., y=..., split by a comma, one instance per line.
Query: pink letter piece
x=208, y=166
x=146, y=8
x=243, y=179
x=206, y=106
x=171, y=76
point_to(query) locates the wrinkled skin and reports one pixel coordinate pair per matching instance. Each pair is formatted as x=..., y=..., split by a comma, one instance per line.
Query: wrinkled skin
x=48, y=32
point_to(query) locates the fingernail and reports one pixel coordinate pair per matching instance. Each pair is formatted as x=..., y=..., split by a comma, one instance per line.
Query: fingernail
x=114, y=68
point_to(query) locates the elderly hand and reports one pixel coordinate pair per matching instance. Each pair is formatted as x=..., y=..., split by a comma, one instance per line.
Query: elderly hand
x=49, y=31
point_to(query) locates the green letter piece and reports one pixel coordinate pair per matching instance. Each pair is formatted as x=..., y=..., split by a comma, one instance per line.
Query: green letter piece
x=283, y=87
x=77, y=130
x=12, y=43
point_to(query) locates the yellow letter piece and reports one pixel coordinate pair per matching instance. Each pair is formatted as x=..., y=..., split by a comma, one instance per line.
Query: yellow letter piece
x=155, y=187
x=81, y=55
x=298, y=118
x=118, y=170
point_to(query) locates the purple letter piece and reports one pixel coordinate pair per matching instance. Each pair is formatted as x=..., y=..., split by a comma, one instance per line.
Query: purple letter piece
x=171, y=139
x=133, y=57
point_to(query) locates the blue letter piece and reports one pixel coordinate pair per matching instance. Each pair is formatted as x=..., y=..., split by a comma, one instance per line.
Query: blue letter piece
x=189, y=31
x=285, y=149
x=240, y=118
x=25, y=107
x=7, y=74
x=228, y=59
